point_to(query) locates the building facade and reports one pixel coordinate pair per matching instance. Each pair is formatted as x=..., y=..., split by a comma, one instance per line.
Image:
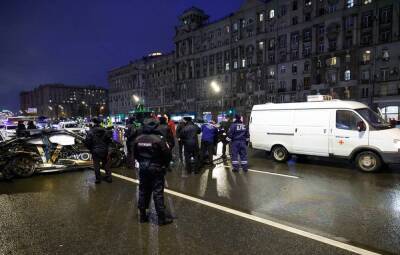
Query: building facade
x=62, y=101
x=283, y=50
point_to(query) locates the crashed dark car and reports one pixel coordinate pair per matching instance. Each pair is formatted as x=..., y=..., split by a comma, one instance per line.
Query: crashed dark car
x=49, y=151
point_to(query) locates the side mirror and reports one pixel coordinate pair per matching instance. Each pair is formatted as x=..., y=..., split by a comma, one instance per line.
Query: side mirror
x=361, y=126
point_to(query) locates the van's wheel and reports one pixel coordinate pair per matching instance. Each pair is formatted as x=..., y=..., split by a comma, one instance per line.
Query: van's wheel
x=23, y=166
x=280, y=154
x=368, y=161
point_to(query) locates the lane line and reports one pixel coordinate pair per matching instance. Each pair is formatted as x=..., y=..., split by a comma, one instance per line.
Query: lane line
x=271, y=173
x=293, y=230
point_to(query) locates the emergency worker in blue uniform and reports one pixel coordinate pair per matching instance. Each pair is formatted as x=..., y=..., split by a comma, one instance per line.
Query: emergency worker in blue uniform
x=208, y=138
x=153, y=154
x=239, y=136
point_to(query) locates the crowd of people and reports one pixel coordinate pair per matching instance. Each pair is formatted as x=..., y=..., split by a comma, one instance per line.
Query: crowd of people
x=151, y=143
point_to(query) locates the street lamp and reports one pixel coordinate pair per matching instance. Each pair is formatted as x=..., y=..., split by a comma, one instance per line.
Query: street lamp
x=136, y=98
x=217, y=89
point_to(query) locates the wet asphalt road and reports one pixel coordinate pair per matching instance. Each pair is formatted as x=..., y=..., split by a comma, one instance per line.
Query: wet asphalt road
x=67, y=213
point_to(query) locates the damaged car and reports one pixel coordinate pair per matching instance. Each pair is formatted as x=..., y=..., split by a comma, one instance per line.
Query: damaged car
x=49, y=151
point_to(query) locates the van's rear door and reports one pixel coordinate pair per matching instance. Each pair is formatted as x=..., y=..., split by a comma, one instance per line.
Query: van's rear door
x=311, y=132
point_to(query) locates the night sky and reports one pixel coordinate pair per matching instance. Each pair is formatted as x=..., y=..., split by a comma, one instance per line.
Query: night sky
x=77, y=42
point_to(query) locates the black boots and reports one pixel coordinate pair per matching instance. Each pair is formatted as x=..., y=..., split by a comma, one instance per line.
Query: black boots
x=164, y=220
x=143, y=217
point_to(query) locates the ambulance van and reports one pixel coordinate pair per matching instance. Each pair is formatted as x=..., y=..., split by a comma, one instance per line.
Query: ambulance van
x=327, y=128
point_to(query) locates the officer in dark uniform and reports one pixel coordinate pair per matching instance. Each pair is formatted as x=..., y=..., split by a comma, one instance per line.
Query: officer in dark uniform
x=239, y=136
x=98, y=141
x=131, y=134
x=166, y=132
x=190, y=141
x=223, y=134
x=153, y=154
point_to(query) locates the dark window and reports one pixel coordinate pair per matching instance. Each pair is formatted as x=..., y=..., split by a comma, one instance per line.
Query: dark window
x=307, y=16
x=294, y=84
x=347, y=120
x=294, y=5
x=385, y=16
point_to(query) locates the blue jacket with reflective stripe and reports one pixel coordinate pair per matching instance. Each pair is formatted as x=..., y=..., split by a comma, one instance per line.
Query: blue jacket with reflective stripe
x=238, y=132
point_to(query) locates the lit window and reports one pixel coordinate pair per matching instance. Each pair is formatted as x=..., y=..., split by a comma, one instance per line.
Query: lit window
x=367, y=1
x=366, y=57
x=385, y=54
x=235, y=26
x=235, y=64
x=243, y=62
x=347, y=75
x=271, y=73
x=227, y=29
x=261, y=45
x=350, y=3
x=261, y=17
x=283, y=69
x=227, y=67
x=308, y=3
x=331, y=61
x=271, y=14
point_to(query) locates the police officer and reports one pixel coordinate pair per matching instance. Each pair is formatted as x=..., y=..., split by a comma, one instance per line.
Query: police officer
x=131, y=133
x=98, y=141
x=190, y=141
x=209, y=133
x=223, y=134
x=153, y=154
x=239, y=136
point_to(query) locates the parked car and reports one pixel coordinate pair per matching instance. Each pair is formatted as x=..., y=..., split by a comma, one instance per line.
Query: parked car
x=333, y=128
x=8, y=130
x=49, y=151
x=71, y=126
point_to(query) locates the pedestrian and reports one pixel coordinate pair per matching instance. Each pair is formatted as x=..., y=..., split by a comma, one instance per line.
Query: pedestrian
x=179, y=128
x=153, y=154
x=31, y=125
x=239, y=136
x=166, y=132
x=20, y=131
x=209, y=133
x=223, y=134
x=98, y=141
x=189, y=136
x=171, y=123
x=131, y=134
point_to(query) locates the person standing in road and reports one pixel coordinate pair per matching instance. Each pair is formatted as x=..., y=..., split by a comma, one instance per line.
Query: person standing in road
x=98, y=141
x=131, y=133
x=171, y=124
x=31, y=125
x=166, y=132
x=153, y=154
x=20, y=132
x=209, y=134
x=189, y=136
x=239, y=136
x=223, y=134
x=179, y=128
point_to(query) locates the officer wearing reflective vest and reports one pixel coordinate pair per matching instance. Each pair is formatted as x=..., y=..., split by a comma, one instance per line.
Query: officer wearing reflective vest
x=238, y=136
x=153, y=154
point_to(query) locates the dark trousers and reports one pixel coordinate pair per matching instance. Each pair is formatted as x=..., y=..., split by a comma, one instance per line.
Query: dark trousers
x=131, y=159
x=104, y=161
x=151, y=181
x=191, y=150
x=239, y=150
x=207, y=152
x=180, y=149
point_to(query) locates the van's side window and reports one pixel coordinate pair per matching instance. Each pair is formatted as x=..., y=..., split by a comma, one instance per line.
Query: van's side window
x=347, y=120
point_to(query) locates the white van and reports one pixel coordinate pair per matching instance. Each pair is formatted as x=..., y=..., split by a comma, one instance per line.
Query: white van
x=330, y=128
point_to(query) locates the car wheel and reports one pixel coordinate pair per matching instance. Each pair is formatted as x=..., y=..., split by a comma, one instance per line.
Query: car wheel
x=23, y=166
x=280, y=154
x=368, y=161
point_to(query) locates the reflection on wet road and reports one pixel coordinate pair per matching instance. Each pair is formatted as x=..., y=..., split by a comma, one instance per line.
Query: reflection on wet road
x=67, y=213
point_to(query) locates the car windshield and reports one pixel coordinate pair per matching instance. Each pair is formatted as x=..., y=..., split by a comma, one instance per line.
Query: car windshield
x=376, y=121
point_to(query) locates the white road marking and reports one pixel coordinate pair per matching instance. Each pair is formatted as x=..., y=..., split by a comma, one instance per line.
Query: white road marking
x=293, y=230
x=271, y=173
